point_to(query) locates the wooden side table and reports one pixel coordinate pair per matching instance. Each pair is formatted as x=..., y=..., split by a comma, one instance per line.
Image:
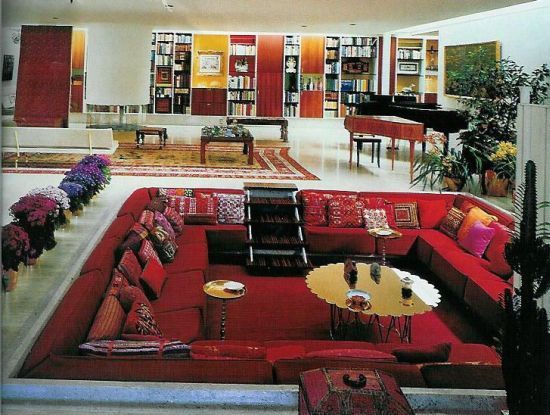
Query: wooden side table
x=218, y=289
x=142, y=132
x=382, y=234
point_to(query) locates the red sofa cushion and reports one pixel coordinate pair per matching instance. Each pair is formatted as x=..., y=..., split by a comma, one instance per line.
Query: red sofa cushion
x=495, y=251
x=315, y=207
x=463, y=376
x=108, y=320
x=130, y=294
x=147, y=219
x=120, y=227
x=152, y=278
x=135, y=203
x=141, y=320
x=420, y=354
x=402, y=245
x=322, y=239
x=130, y=267
x=147, y=251
x=190, y=256
x=171, y=298
x=192, y=234
x=184, y=325
x=431, y=212
x=352, y=354
x=102, y=257
x=345, y=212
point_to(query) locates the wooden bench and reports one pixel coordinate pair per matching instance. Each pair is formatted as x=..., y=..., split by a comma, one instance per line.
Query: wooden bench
x=283, y=122
x=57, y=140
x=158, y=131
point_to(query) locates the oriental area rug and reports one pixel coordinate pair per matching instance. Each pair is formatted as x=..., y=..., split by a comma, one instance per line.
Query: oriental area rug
x=176, y=160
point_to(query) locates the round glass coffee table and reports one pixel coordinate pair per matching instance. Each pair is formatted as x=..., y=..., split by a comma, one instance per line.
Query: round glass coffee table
x=224, y=290
x=387, y=295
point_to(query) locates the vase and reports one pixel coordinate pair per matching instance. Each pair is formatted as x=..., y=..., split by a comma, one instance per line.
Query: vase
x=496, y=186
x=9, y=279
x=453, y=184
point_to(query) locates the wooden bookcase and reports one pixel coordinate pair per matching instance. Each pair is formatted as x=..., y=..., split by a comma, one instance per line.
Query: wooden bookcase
x=312, y=76
x=291, y=93
x=241, y=91
x=332, y=76
x=431, y=70
x=409, y=68
x=182, y=73
x=359, y=71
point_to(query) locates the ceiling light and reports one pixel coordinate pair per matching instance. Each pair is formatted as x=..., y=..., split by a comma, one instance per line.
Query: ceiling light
x=304, y=25
x=55, y=18
x=168, y=6
x=353, y=24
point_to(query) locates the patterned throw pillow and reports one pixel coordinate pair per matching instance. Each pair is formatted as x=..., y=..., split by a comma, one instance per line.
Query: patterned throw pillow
x=130, y=349
x=130, y=267
x=196, y=211
x=174, y=218
x=345, y=212
x=140, y=320
x=176, y=192
x=161, y=220
x=118, y=281
x=133, y=240
x=315, y=208
x=157, y=204
x=230, y=208
x=129, y=295
x=165, y=247
x=108, y=320
x=147, y=251
x=375, y=218
x=147, y=219
x=451, y=223
x=406, y=215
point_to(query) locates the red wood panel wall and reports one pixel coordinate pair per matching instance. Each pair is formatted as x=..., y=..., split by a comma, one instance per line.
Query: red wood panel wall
x=311, y=104
x=209, y=101
x=270, y=76
x=313, y=54
x=43, y=80
x=393, y=57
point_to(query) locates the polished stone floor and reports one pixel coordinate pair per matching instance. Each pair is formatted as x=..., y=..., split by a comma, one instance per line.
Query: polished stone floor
x=321, y=147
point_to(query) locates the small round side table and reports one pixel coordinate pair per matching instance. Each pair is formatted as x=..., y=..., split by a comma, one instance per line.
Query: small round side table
x=383, y=234
x=217, y=289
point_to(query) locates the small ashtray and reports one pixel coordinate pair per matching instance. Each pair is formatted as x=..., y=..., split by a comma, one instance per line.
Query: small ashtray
x=384, y=232
x=233, y=286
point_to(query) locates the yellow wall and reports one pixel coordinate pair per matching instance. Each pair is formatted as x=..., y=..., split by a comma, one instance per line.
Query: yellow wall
x=216, y=43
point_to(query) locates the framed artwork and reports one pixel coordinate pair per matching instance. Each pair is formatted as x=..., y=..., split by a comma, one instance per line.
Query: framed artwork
x=458, y=57
x=7, y=68
x=408, y=67
x=164, y=75
x=210, y=62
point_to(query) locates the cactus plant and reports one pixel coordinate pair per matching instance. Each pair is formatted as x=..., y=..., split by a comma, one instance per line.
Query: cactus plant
x=525, y=345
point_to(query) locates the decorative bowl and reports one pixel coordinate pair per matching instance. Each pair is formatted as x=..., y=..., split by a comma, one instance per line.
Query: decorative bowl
x=233, y=286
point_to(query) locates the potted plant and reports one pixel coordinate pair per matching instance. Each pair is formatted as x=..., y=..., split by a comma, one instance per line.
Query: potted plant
x=435, y=168
x=503, y=163
x=75, y=193
x=59, y=196
x=15, y=249
x=526, y=341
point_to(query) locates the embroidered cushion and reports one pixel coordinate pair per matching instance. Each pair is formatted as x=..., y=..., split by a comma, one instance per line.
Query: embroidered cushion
x=375, y=218
x=174, y=218
x=315, y=208
x=176, y=192
x=140, y=320
x=128, y=295
x=164, y=246
x=152, y=278
x=157, y=204
x=477, y=239
x=147, y=251
x=406, y=215
x=161, y=220
x=230, y=208
x=197, y=211
x=137, y=233
x=130, y=267
x=118, y=281
x=147, y=219
x=495, y=251
x=108, y=320
x=129, y=348
x=473, y=215
x=380, y=203
x=451, y=223
x=345, y=212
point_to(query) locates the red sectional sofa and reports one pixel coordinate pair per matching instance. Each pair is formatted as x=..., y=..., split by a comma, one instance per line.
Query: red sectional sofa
x=181, y=309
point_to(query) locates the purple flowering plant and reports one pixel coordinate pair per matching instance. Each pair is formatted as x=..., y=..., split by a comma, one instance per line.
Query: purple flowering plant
x=15, y=246
x=34, y=210
x=75, y=193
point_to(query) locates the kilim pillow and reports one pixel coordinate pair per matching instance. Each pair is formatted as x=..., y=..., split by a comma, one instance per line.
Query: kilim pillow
x=375, y=218
x=174, y=218
x=315, y=208
x=133, y=240
x=196, y=211
x=406, y=215
x=147, y=219
x=157, y=204
x=161, y=220
x=345, y=212
x=130, y=267
x=140, y=320
x=129, y=295
x=118, y=281
x=108, y=320
x=176, y=192
x=165, y=247
x=152, y=278
x=130, y=349
x=473, y=215
x=230, y=208
x=451, y=223
x=147, y=251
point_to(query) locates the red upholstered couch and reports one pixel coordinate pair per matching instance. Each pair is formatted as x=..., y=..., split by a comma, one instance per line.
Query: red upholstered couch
x=180, y=311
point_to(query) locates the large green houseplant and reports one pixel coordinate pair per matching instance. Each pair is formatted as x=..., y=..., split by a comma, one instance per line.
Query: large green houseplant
x=525, y=345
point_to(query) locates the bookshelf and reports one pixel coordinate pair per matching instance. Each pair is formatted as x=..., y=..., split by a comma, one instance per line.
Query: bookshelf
x=409, y=66
x=170, y=73
x=332, y=76
x=291, y=84
x=431, y=70
x=312, y=68
x=358, y=77
x=241, y=92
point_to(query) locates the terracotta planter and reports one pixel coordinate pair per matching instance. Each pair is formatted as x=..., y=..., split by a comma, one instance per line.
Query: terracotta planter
x=31, y=261
x=452, y=184
x=68, y=214
x=495, y=185
x=9, y=279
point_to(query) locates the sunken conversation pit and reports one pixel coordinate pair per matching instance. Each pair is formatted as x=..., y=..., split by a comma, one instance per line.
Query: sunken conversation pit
x=169, y=293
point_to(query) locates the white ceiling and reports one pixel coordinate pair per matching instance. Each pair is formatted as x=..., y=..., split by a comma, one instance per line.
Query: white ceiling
x=282, y=16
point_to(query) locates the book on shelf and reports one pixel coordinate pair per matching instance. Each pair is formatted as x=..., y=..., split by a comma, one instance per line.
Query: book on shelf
x=292, y=97
x=331, y=84
x=292, y=40
x=165, y=60
x=331, y=96
x=291, y=110
x=163, y=92
x=241, y=82
x=332, y=42
x=358, y=41
x=242, y=109
x=358, y=52
x=292, y=50
x=406, y=53
x=165, y=37
x=183, y=38
x=356, y=85
x=332, y=68
x=165, y=48
x=332, y=54
x=246, y=95
x=356, y=67
x=242, y=49
x=354, y=98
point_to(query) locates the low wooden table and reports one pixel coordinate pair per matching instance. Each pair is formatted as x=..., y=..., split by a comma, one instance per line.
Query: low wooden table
x=142, y=132
x=248, y=147
x=283, y=122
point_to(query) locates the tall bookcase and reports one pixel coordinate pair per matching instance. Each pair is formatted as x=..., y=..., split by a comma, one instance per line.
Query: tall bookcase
x=409, y=66
x=332, y=76
x=291, y=84
x=359, y=76
x=431, y=70
x=170, y=80
x=241, y=94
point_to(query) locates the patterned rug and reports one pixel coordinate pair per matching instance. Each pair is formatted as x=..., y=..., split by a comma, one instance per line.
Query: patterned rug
x=179, y=160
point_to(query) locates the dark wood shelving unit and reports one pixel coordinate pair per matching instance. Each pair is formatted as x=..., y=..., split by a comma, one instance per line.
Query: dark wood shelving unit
x=276, y=244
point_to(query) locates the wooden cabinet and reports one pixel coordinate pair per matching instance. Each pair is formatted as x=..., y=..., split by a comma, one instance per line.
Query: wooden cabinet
x=209, y=101
x=270, y=75
x=313, y=53
x=311, y=104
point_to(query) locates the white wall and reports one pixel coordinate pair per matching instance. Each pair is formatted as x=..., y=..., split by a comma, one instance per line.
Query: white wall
x=11, y=42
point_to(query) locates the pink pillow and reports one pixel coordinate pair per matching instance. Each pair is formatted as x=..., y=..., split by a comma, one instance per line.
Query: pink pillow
x=477, y=239
x=495, y=251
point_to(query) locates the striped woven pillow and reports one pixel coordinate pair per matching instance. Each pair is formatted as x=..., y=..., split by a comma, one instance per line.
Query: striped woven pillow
x=129, y=348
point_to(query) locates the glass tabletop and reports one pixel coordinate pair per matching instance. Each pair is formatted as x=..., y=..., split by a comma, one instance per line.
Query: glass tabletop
x=386, y=299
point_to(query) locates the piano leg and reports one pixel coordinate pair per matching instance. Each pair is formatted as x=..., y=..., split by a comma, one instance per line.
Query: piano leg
x=350, y=149
x=412, y=142
x=392, y=152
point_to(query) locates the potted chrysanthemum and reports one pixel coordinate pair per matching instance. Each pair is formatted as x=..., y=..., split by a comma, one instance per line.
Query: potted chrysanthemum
x=15, y=249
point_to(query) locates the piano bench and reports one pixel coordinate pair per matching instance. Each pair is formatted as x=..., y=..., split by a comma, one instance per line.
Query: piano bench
x=375, y=141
